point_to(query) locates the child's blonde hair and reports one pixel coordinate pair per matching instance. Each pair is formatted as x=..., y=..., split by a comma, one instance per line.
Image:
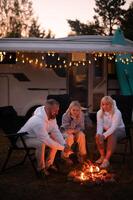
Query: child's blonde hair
x=72, y=104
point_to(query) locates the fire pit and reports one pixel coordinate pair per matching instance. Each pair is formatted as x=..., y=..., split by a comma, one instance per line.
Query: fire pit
x=90, y=173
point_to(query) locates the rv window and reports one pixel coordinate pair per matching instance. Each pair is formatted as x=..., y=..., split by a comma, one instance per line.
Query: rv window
x=20, y=77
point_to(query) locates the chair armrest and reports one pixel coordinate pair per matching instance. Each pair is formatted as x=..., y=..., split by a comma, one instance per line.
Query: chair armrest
x=13, y=137
x=16, y=134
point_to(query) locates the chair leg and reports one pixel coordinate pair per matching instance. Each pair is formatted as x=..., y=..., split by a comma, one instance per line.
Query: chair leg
x=31, y=160
x=7, y=159
x=125, y=152
x=28, y=154
x=130, y=145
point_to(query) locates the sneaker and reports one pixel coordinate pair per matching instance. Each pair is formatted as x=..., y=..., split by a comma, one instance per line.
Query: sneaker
x=81, y=159
x=43, y=173
x=53, y=168
x=100, y=160
x=68, y=161
x=105, y=164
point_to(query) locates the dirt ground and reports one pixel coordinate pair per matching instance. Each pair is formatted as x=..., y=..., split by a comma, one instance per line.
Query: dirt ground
x=22, y=183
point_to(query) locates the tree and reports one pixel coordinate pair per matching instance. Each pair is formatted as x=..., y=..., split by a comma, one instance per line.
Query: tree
x=15, y=16
x=50, y=34
x=79, y=28
x=35, y=31
x=16, y=19
x=109, y=14
x=127, y=23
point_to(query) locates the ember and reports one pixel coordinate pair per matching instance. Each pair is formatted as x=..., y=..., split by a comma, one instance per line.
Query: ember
x=91, y=173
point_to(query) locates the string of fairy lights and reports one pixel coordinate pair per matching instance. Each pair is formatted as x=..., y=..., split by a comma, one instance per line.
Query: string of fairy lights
x=38, y=59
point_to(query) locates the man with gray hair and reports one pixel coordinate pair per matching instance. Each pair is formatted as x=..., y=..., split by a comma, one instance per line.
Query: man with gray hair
x=43, y=131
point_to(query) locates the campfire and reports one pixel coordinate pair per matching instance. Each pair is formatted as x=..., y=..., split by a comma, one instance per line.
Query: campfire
x=90, y=173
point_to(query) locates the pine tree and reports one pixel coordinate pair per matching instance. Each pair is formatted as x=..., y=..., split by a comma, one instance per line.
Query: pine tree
x=79, y=28
x=109, y=14
x=35, y=30
x=17, y=20
x=15, y=16
x=127, y=23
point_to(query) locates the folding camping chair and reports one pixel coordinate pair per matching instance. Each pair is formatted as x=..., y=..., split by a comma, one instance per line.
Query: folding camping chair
x=125, y=105
x=11, y=123
x=13, y=147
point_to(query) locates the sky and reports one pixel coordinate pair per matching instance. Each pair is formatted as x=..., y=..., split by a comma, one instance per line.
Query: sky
x=53, y=14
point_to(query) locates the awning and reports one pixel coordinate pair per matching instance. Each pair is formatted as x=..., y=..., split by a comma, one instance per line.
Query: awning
x=88, y=44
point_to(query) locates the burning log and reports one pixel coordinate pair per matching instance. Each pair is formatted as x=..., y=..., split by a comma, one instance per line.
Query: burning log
x=90, y=173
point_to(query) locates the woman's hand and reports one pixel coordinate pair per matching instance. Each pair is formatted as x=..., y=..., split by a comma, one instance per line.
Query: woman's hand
x=70, y=131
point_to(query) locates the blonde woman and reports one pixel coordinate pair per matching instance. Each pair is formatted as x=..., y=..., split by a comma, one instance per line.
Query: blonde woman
x=73, y=127
x=110, y=127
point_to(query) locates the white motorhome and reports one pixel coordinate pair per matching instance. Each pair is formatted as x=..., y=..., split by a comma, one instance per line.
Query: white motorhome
x=23, y=86
x=31, y=69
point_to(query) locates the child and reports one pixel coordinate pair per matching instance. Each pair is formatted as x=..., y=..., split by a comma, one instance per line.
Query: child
x=73, y=127
x=110, y=127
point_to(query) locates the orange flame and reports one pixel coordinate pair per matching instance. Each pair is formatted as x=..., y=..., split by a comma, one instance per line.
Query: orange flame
x=82, y=176
x=97, y=169
x=91, y=169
